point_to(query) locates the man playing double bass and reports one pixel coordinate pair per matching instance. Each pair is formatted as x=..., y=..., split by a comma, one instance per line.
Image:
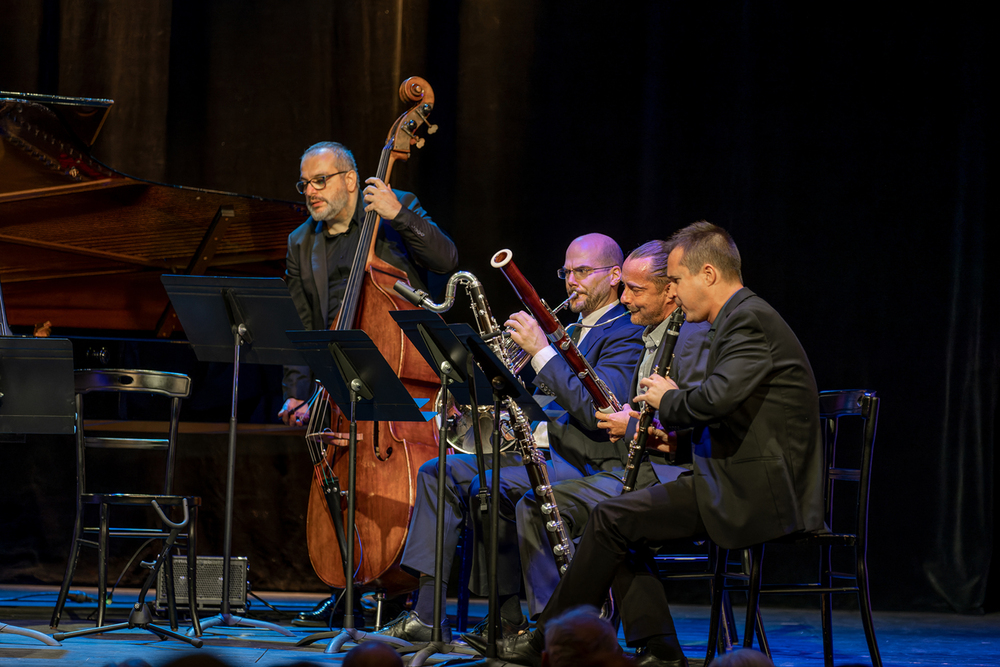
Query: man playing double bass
x=321, y=251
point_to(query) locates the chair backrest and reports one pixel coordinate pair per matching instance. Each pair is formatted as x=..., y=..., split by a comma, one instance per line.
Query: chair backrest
x=863, y=404
x=174, y=386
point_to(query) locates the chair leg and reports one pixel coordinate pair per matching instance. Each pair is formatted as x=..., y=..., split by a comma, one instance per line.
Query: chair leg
x=102, y=565
x=718, y=593
x=728, y=635
x=761, y=635
x=865, y=603
x=826, y=605
x=465, y=572
x=192, y=569
x=74, y=557
x=168, y=584
x=753, y=594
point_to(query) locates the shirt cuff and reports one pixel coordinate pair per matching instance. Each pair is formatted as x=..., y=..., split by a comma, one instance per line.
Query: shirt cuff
x=539, y=360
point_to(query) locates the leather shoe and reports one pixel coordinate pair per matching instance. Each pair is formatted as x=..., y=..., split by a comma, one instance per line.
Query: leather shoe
x=319, y=617
x=647, y=659
x=517, y=649
x=507, y=629
x=408, y=627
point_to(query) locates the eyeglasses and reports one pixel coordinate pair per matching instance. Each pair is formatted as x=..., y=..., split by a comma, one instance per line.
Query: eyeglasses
x=318, y=183
x=579, y=272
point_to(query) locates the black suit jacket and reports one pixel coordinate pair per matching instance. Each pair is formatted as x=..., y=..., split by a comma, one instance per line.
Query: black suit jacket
x=410, y=242
x=758, y=455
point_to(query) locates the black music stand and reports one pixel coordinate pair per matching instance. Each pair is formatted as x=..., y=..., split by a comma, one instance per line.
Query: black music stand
x=461, y=348
x=354, y=372
x=235, y=319
x=36, y=396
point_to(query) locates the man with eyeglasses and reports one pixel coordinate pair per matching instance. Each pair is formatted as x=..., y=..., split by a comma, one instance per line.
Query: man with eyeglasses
x=321, y=250
x=612, y=345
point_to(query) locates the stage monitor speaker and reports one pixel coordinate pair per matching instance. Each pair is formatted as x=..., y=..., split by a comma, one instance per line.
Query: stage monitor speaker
x=209, y=593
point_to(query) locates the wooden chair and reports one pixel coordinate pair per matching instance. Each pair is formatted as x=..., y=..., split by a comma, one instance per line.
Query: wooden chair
x=834, y=405
x=174, y=387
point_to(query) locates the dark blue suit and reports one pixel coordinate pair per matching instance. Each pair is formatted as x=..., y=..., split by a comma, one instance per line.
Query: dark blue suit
x=613, y=349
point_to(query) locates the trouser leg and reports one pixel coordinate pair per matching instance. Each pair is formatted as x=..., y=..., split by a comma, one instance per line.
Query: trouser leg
x=616, y=527
x=514, y=483
x=418, y=554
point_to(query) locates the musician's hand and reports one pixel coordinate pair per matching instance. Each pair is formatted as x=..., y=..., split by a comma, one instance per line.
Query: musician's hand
x=43, y=330
x=661, y=440
x=338, y=439
x=656, y=386
x=526, y=333
x=380, y=198
x=615, y=423
x=292, y=414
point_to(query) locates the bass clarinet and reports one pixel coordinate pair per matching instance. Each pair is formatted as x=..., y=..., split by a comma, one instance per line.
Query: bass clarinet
x=661, y=367
x=534, y=460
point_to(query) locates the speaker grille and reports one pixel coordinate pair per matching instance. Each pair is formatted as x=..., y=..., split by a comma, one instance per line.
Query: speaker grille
x=209, y=592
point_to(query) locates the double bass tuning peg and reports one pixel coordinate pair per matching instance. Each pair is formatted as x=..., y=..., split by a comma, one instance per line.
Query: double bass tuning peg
x=431, y=129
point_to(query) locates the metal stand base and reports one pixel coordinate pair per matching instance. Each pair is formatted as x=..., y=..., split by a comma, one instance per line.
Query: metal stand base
x=232, y=621
x=140, y=617
x=342, y=636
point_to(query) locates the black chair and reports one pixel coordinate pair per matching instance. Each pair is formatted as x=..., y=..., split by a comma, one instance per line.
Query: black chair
x=834, y=405
x=175, y=387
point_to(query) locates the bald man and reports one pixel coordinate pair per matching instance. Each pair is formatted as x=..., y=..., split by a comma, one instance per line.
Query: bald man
x=612, y=345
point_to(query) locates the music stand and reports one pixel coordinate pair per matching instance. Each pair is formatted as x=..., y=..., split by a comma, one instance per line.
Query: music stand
x=354, y=372
x=36, y=396
x=235, y=319
x=459, y=346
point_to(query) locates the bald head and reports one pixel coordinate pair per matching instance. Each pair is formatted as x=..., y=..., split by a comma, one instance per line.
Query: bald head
x=602, y=248
x=372, y=654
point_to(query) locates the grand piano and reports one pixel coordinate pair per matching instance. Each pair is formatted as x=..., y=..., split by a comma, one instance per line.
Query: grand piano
x=84, y=246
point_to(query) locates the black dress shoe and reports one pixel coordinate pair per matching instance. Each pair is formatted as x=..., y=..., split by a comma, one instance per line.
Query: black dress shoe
x=319, y=617
x=408, y=627
x=517, y=649
x=647, y=659
x=507, y=629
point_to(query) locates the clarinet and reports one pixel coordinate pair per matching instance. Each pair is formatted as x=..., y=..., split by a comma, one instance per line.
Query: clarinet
x=532, y=458
x=660, y=367
x=604, y=400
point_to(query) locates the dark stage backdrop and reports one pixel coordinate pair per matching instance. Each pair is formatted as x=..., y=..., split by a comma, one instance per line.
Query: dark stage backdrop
x=844, y=150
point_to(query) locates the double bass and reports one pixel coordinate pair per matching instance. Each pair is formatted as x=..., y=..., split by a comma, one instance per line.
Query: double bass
x=388, y=453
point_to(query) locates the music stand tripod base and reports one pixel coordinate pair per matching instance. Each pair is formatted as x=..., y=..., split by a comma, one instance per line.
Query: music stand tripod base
x=34, y=634
x=222, y=316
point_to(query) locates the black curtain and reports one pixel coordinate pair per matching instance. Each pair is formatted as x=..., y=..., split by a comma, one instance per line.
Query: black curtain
x=845, y=151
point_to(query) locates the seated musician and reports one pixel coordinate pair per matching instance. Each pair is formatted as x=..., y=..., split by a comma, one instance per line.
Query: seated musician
x=650, y=300
x=612, y=345
x=757, y=455
x=321, y=250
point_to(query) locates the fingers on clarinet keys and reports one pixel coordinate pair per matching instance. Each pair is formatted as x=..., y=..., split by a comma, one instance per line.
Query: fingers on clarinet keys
x=518, y=649
x=408, y=627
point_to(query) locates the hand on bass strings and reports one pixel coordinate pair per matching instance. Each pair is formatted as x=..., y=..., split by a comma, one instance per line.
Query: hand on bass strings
x=338, y=439
x=380, y=198
x=524, y=331
x=656, y=386
x=615, y=423
x=294, y=412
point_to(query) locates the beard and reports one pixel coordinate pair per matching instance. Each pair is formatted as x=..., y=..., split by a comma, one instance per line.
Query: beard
x=335, y=203
x=597, y=297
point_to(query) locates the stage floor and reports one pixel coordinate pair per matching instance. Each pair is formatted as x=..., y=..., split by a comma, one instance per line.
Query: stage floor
x=905, y=638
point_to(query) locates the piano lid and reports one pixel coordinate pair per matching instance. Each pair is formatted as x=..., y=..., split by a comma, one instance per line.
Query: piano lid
x=84, y=246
